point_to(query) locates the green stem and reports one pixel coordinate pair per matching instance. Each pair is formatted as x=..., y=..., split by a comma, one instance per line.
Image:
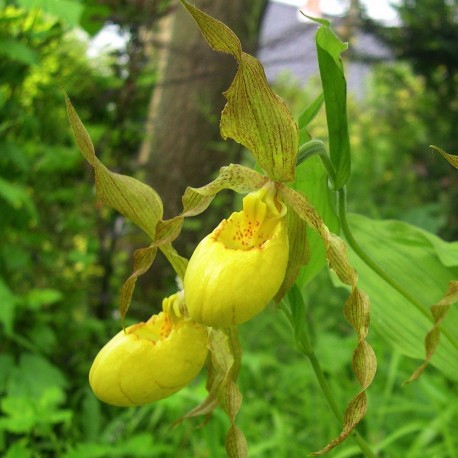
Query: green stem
x=306, y=348
x=326, y=389
x=342, y=209
x=313, y=147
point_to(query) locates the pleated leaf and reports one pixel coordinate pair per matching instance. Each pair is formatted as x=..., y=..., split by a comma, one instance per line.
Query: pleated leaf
x=356, y=310
x=451, y=158
x=130, y=197
x=254, y=115
x=438, y=311
x=424, y=265
x=329, y=48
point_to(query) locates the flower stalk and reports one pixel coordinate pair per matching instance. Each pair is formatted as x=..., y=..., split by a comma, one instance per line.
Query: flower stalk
x=303, y=341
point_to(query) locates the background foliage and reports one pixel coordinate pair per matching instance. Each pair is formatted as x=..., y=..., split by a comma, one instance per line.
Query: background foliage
x=63, y=257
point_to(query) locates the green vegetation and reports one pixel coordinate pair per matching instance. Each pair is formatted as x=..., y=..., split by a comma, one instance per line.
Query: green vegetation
x=63, y=259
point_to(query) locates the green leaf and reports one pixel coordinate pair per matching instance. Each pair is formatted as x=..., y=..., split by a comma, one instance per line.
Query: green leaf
x=17, y=196
x=33, y=376
x=25, y=414
x=37, y=298
x=329, y=48
x=6, y=366
x=424, y=265
x=18, y=51
x=19, y=415
x=66, y=10
x=318, y=20
x=307, y=116
x=130, y=197
x=451, y=158
x=253, y=116
x=298, y=315
x=19, y=450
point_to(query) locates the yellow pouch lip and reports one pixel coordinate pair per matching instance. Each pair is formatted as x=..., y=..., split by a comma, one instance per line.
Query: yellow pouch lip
x=236, y=270
x=149, y=360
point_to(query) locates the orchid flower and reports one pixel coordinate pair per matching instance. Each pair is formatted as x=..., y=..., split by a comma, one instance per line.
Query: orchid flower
x=152, y=360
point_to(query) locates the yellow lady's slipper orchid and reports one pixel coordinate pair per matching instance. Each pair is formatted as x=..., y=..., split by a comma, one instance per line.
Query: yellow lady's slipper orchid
x=236, y=270
x=150, y=361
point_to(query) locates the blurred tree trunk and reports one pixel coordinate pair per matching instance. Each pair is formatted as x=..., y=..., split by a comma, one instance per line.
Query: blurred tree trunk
x=183, y=145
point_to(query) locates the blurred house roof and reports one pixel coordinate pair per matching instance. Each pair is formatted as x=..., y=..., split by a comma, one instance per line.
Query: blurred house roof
x=287, y=46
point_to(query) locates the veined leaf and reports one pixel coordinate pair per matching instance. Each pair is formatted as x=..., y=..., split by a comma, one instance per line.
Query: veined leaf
x=329, y=48
x=130, y=197
x=424, y=265
x=356, y=310
x=451, y=158
x=253, y=116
